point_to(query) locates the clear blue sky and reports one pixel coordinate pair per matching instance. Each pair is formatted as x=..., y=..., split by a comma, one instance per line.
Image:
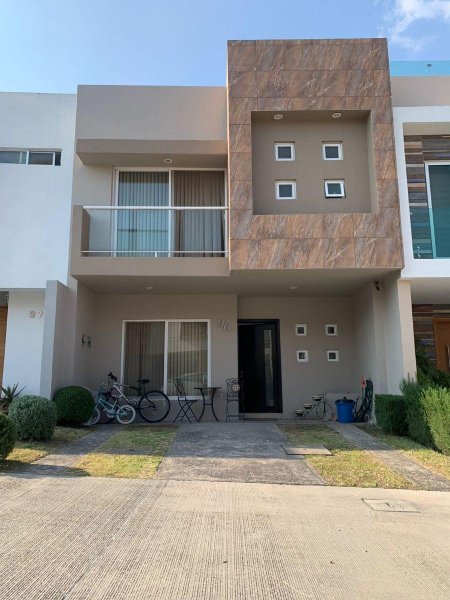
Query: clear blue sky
x=52, y=45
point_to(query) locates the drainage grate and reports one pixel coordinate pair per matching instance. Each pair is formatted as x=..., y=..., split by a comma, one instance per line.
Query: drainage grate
x=391, y=505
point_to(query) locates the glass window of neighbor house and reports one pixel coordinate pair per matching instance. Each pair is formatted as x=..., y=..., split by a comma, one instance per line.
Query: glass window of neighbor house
x=332, y=150
x=286, y=190
x=284, y=151
x=334, y=189
x=438, y=182
x=31, y=157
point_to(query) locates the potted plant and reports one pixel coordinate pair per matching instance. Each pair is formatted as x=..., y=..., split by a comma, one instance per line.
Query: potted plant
x=8, y=394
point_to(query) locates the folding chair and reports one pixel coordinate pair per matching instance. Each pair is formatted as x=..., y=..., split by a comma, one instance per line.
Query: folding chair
x=185, y=403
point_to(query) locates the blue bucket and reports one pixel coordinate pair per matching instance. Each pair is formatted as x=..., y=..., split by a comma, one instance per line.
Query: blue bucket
x=344, y=408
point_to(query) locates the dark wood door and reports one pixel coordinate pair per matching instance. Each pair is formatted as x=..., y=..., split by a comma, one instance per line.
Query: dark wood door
x=442, y=343
x=3, y=319
x=259, y=365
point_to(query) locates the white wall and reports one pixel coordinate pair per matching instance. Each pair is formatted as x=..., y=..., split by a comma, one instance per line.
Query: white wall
x=24, y=337
x=35, y=200
x=418, y=119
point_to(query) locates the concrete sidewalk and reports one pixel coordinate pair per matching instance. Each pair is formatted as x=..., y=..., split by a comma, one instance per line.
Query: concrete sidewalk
x=106, y=539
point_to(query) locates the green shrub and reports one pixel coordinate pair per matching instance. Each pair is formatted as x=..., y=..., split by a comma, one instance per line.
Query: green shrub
x=428, y=414
x=436, y=407
x=8, y=436
x=418, y=428
x=34, y=416
x=427, y=371
x=390, y=412
x=74, y=405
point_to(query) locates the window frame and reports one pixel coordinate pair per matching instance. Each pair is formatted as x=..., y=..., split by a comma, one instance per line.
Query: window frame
x=305, y=329
x=26, y=153
x=290, y=145
x=337, y=359
x=292, y=182
x=335, y=329
x=341, y=182
x=302, y=360
x=427, y=164
x=337, y=145
x=166, y=346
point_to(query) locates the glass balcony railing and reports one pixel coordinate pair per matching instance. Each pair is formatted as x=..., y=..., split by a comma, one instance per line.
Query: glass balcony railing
x=154, y=231
x=430, y=232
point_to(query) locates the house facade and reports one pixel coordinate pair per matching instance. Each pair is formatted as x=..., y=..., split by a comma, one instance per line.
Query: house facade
x=260, y=229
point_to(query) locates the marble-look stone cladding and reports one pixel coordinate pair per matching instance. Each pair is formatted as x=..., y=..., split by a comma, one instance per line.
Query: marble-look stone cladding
x=334, y=75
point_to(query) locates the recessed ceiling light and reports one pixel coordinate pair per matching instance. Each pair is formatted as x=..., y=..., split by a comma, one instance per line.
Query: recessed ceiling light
x=293, y=287
x=336, y=115
x=168, y=161
x=150, y=287
x=277, y=117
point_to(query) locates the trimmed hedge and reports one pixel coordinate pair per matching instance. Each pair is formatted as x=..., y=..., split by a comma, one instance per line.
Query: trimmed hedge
x=34, y=417
x=390, y=413
x=428, y=414
x=74, y=405
x=8, y=436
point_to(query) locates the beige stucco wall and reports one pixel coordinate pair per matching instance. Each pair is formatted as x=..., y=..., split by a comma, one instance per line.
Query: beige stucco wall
x=309, y=168
x=302, y=380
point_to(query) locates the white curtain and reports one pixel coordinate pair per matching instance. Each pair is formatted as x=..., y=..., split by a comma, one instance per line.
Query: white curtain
x=141, y=232
x=187, y=356
x=144, y=353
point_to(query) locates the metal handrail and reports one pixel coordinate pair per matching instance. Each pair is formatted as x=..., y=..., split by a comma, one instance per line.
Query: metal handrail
x=224, y=208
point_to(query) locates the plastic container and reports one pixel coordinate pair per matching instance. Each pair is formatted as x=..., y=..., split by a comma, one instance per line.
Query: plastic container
x=344, y=407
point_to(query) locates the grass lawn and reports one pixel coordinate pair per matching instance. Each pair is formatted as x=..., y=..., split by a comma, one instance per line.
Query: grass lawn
x=134, y=452
x=27, y=452
x=433, y=460
x=348, y=466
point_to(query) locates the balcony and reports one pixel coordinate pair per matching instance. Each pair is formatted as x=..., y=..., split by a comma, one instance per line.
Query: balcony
x=154, y=232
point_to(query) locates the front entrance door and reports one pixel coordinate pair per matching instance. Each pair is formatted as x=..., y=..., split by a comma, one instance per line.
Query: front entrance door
x=259, y=365
x=442, y=343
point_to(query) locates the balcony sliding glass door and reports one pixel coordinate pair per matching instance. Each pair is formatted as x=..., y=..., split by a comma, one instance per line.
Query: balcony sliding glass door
x=191, y=219
x=142, y=232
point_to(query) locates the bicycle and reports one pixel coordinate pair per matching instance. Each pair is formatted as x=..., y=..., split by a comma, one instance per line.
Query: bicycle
x=324, y=410
x=153, y=406
x=109, y=404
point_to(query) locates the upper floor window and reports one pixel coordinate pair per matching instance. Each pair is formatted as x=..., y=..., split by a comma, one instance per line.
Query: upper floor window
x=332, y=150
x=438, y=188
x=334, y=189
x=286, y=190
x=285, y=151
x=31, y=157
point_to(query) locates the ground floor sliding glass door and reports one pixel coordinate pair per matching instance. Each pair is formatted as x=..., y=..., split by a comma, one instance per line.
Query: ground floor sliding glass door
x=166, y=350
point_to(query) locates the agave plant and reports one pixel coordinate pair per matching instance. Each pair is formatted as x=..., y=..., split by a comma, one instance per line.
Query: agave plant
x=8, y=394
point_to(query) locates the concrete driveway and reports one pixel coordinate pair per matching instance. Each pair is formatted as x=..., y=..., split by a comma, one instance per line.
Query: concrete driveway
x=106, y=539
x=246, y=452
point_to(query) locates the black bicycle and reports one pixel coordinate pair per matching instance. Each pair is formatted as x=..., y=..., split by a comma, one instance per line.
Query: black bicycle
x=153, y=406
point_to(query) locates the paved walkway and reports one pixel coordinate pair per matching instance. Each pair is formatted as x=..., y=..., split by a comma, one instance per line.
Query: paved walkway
x=247, y=452
x=409, y=468
x=87, y=538
x=60, y=462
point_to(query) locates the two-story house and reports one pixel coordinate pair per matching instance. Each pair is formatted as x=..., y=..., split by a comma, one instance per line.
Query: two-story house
x=252, y=229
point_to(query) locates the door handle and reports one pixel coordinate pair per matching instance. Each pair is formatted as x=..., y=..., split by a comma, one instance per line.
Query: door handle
x=447, y=349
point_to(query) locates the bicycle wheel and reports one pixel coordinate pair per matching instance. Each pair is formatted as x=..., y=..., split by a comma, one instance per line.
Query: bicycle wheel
x=154, y=406
x=125, y=414
x=95, y=417
x=324, y=411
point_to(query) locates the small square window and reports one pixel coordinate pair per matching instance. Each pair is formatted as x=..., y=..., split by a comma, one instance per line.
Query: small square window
x=333, y=355
x=285, y=151
x=332, y=150
x=331, y=329
x=301, y=329
x=302, y=355
x=13, y=156
x=285, y=190
x=334, y=189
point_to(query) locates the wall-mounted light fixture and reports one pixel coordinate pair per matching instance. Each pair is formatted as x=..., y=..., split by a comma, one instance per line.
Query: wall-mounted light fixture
x=86, y=340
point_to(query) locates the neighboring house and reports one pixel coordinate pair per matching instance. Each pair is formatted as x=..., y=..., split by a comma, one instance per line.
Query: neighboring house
x=422, y=132
x=36, y=164
x=252, y=229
